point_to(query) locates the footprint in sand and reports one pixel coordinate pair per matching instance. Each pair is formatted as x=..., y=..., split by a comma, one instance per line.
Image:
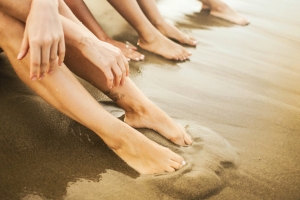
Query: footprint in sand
x=211, y=160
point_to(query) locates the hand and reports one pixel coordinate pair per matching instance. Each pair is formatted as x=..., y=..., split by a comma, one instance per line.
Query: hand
x=44, y=38
x=108, y=58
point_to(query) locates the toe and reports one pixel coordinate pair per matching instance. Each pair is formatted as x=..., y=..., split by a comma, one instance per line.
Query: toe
x=192, y=41
x=187, y=139
x=176, y=165
x=170, y=169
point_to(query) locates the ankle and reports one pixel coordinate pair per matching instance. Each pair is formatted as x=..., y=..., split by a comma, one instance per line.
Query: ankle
x=146, y=39
x=161, y=27
x=218, y=7
x=137, y=109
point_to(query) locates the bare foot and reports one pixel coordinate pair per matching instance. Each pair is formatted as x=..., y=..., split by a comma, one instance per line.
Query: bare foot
x=150, y=116
x=163, y=46
x=128, y=51
x=223, y=11
x=170, y=31
x=142, y=154
x=205, y=6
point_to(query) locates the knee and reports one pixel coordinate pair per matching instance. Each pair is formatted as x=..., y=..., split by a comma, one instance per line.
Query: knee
x=10, y=27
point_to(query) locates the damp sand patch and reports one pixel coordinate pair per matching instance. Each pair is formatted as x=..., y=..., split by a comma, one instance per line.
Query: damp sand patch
x=211, y=163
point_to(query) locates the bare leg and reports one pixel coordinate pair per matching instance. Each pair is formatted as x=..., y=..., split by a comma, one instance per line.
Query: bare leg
x=221, y=10
x=82, y=12
x=150, y=38
x=62, y=90
x=140, y=112
x=150, y=9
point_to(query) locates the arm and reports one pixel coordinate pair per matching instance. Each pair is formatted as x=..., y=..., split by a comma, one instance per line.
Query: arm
x=81, y=11
x=46, y=45
x=108, y=58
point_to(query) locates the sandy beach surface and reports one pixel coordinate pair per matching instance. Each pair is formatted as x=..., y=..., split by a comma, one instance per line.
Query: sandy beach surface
x=238, y=95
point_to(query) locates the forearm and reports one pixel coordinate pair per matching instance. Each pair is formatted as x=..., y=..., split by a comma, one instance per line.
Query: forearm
x=69, y=19
x=70, y=27
x=83, y=13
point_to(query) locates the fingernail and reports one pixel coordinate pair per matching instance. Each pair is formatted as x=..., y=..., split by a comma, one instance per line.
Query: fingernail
x=19, y=56
x=137, y=59
x=110, y=87
x=42, y=77
x=183, y=163
x=195, y=42
x=33, y=78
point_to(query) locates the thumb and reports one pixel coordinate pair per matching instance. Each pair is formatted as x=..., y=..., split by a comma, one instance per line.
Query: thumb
x=24, y=47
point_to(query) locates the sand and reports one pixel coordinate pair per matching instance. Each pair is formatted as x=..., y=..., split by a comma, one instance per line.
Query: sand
x=238, y=97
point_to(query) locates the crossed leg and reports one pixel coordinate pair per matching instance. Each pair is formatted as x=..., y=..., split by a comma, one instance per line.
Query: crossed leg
x=221, y=10
x=62, y=90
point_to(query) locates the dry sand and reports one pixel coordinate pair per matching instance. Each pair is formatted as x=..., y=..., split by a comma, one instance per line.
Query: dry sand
x=238, y=95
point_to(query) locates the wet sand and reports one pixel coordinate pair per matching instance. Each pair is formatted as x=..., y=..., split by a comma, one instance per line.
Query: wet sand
x=238, y=97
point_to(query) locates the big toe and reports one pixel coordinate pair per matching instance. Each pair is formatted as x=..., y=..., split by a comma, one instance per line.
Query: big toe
x=244, y=22
x=191, y=41
x=186, y=137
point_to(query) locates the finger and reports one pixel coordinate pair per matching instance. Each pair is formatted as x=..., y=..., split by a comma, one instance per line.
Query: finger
x=35, y=62
x=53, y=57
x=61, y=51
x=117, y=74
x=126, y=64
x=24, y=47
x=109, y=78
x=45, y=61
x=123, y=71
